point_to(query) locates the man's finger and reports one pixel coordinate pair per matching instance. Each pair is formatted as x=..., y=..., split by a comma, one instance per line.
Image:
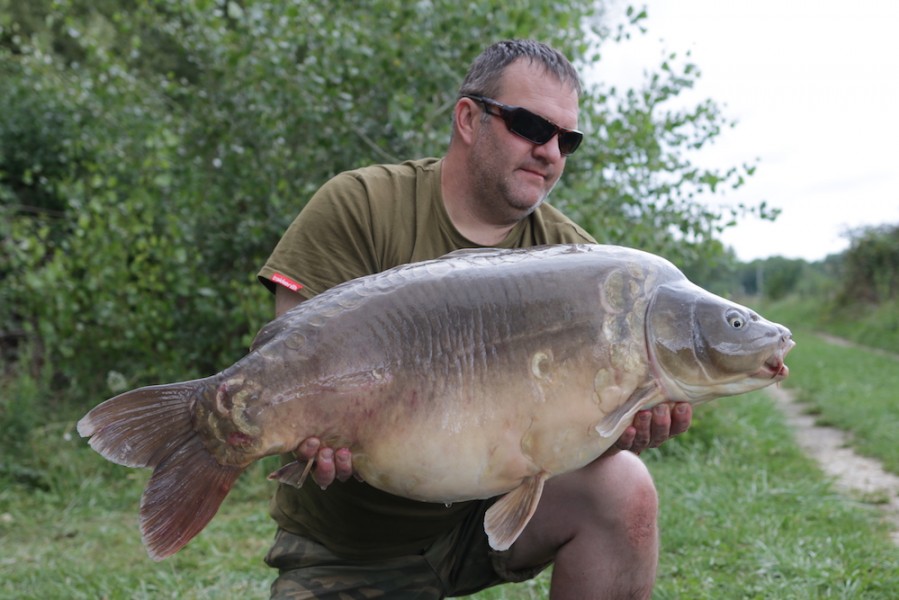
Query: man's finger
x=627, y=439
x=642, y=423
x=324, y=471
x=660, y=429
x=343, y=463
x=681, y=418
x=308, y=449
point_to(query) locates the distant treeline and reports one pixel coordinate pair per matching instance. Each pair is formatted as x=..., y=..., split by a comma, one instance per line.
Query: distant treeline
x=865, y=274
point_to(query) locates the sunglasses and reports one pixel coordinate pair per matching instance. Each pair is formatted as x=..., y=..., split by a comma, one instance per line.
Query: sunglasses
x=531, y=127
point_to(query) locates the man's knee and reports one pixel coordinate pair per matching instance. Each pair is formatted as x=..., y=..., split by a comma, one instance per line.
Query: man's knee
x=603, y=519
x=624, y=496
x=642, y=512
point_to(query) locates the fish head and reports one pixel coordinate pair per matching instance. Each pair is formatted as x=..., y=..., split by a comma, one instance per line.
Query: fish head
x=703, y=346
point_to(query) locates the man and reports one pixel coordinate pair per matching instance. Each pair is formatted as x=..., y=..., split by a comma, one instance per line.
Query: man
x=596, y=525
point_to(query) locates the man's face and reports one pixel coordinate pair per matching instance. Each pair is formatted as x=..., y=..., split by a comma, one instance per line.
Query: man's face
x=514, y=175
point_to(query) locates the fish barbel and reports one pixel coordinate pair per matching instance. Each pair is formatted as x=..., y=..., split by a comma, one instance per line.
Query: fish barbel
x=479, y=374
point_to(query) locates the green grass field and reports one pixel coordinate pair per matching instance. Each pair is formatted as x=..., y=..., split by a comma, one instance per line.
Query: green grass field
x=853, y=389
x=744, y=513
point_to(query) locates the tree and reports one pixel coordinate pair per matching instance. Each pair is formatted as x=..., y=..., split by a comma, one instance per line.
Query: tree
x=870, y=267
x=174, y=140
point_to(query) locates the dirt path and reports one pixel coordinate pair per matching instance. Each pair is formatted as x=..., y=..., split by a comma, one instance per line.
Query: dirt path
x=857, y=476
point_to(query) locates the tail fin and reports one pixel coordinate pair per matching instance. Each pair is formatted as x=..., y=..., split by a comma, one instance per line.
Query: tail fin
x=153, y=427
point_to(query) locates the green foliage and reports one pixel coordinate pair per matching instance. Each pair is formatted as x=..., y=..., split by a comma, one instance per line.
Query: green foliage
x=152, y=153
x=775, y=277
x=634, y=184
x=870, y=267
x=821, y=297
x=20, y=413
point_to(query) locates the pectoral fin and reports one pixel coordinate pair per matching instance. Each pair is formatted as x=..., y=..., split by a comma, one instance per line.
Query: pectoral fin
x=617, y=420
x=293, y=474
x=507, y=518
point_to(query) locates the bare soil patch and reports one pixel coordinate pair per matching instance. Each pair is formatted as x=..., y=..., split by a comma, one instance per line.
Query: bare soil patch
x=857, y=476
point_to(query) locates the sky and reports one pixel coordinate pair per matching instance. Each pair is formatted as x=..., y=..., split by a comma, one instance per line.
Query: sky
x=814, y=88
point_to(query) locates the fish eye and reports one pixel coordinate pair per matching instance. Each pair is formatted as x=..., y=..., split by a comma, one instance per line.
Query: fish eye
x=736, y=319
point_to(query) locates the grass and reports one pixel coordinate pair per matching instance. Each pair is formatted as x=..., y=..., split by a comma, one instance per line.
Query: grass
x=853, y=389
x=76, y=536
x=68, y=520
x=744, y=513
x=848, y=387
x=875, y=326
x=872, y=326
x=747, y=515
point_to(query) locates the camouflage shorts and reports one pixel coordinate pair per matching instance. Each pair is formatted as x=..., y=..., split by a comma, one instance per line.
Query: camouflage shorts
x=459, y=563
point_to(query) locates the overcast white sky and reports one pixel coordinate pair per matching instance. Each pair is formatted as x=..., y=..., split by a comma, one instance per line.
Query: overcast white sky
x=814, y=86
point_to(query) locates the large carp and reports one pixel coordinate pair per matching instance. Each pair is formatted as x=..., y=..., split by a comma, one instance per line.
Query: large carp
x=474, y=375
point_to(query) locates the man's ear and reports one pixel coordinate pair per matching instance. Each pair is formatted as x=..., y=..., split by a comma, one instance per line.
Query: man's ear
x=467, y=118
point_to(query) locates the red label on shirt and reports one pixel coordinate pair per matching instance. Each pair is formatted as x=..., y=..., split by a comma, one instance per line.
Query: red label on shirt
x=287, y=282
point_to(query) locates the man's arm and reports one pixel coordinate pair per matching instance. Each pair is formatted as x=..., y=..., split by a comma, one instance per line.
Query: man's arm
x=285, y=300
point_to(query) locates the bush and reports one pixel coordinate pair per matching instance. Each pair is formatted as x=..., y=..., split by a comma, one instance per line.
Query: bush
x=171, y=143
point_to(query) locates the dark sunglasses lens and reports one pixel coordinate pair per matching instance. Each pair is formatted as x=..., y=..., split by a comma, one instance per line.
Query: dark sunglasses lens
x=530, y=126
x=569, y=141
x=538, y=130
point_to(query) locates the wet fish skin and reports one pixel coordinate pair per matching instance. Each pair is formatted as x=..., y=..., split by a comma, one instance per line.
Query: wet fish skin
x=479, y=374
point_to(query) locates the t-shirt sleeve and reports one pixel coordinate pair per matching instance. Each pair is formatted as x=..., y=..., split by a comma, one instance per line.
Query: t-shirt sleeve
x=329, y=242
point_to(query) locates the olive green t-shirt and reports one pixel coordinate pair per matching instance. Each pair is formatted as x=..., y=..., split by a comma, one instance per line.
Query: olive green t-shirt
x=359, y=223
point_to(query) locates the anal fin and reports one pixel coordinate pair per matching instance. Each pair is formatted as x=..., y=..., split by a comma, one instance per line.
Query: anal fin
x=507, y=518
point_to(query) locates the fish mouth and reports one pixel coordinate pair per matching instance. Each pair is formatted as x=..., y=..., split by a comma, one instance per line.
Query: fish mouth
x=775, y=367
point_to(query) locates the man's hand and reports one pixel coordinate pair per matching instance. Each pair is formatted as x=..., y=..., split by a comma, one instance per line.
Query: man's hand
x=330, y=464
x=652, y=427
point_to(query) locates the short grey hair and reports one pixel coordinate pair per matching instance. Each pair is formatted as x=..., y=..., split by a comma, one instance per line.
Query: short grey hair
x=485, y=73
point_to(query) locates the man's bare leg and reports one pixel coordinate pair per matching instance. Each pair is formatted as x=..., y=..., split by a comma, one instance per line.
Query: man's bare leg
x=599, y=524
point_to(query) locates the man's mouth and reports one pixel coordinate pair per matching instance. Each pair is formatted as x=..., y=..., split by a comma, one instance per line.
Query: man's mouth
x=535, y=173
